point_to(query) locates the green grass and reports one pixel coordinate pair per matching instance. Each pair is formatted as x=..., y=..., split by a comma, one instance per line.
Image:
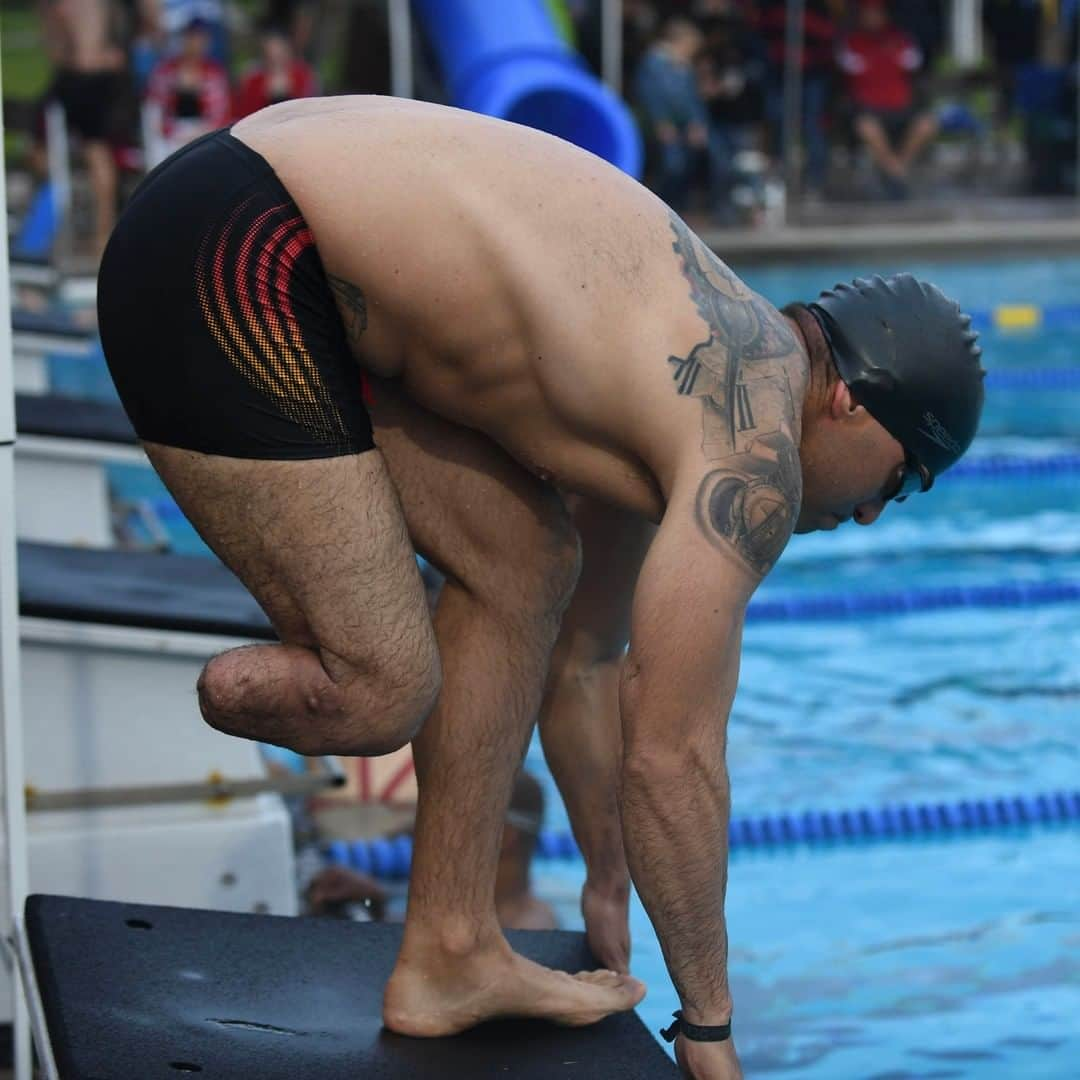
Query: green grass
x=25, y=65
x=25, y=68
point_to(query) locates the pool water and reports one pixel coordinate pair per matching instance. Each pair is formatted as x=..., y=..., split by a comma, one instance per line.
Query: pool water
x=918, y=959
x=953, y=958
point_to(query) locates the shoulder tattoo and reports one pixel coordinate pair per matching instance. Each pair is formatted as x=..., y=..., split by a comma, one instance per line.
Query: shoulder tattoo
x=742, y=374
x=751, y=502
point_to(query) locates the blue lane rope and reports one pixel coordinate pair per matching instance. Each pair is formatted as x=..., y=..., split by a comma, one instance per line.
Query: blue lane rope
x=392, y=859
x=859, y=605
x=1034, y=379
x=1012, y=465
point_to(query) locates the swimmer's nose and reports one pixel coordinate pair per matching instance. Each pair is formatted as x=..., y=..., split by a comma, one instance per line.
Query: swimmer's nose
x=868, y=512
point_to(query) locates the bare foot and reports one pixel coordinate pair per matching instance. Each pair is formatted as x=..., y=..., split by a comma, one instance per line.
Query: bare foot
x=446, y=996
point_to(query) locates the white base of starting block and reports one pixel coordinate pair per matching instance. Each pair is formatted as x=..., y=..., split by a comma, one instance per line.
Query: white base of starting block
x=62, y=489
x=237, y=857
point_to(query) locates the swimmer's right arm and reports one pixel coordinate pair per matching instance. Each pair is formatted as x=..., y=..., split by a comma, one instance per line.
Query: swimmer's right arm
x=678, y=685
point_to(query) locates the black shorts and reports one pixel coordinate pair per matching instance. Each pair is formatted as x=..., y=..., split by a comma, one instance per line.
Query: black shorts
x=895, y=122
x=217, y=321
x=88, y=99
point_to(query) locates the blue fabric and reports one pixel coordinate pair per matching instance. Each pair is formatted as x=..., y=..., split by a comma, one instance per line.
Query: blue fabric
x=815, y=98
x=667, y=91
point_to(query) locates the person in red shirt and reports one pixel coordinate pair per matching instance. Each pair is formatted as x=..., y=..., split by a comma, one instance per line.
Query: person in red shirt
x=880, y=61
x=191, y=90
x=279, y=75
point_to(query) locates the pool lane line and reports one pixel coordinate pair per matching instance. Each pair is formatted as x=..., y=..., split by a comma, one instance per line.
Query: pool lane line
x=392, y=858
x=1065, y=378
x=834, y=607
x=1015, y=465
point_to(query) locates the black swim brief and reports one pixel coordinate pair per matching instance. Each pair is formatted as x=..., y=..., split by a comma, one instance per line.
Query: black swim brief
x=217, y=321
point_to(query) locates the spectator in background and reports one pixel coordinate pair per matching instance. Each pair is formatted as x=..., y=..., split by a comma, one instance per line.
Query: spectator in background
x=818, y=64
x=336, y=888
x=177, y=15
x=278, y=75
x=924, y=20
x=1014, y=29
x=190, y=89
x=676, y=122
x=880, y=61
x=730, y=78
x=640, y=21
x=159, y=27
x=297, y=20
x=87, y=85
x=147, y=41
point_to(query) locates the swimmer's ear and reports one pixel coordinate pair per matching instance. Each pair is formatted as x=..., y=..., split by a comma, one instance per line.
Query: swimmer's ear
x=841, y=404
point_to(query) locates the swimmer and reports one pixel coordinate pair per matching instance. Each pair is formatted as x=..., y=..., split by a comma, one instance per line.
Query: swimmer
x=354, y=329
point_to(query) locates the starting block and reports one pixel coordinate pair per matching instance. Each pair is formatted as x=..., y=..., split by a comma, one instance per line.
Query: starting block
x=137, y=992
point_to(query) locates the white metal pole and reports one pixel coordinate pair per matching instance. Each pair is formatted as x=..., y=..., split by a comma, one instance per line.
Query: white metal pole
x=611, y=38
x=399, y=13
x=151, y=122
x=966, y=31
x=10, y=706
x=793, y=106
x=58, y=155
x=1076, y=31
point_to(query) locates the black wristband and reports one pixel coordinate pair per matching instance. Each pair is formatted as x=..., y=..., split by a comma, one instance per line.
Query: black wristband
x=697, y=1032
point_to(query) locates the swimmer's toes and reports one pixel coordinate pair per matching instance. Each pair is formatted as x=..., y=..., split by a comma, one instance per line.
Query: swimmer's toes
x=603, y=977
x=605, y=992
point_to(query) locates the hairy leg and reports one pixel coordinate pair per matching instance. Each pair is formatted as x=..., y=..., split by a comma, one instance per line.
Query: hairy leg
x=102, y=171
x=322, y=546
x=872, y=133
x=579, y=718
x=920, y=133
x=510, y=559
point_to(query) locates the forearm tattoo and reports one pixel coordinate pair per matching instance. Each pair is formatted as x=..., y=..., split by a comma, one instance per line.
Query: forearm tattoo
x=353, y=307
x=742, y=374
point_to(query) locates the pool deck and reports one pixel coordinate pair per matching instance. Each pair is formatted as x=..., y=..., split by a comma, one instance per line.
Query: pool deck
x=839, y=231
x=1024, y=232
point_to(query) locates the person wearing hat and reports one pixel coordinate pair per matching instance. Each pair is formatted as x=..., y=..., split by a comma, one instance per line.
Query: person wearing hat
x=352, y=329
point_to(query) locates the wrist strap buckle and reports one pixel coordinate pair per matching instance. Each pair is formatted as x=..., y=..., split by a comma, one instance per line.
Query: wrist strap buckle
x=697, y=1032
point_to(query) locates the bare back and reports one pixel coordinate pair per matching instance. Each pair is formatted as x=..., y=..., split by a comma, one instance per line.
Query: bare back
x=78, y=32
x=519, y=285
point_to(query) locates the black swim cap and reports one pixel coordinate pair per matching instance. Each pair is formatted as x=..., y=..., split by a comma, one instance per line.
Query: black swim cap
x=909, y=357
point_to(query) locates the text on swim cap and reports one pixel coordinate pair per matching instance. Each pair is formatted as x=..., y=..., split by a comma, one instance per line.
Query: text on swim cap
x=938, y=433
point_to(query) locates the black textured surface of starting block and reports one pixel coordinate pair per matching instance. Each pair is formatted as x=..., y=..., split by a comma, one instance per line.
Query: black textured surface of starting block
x=63, y=417
x=146, y=589
x=139, y=992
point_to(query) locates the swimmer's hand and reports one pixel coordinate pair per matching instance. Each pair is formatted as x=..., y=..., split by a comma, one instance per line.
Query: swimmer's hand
x=708, y=1061
x=606, y=909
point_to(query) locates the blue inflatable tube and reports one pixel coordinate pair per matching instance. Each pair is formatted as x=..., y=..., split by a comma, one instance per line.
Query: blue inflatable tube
x=506, y=59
